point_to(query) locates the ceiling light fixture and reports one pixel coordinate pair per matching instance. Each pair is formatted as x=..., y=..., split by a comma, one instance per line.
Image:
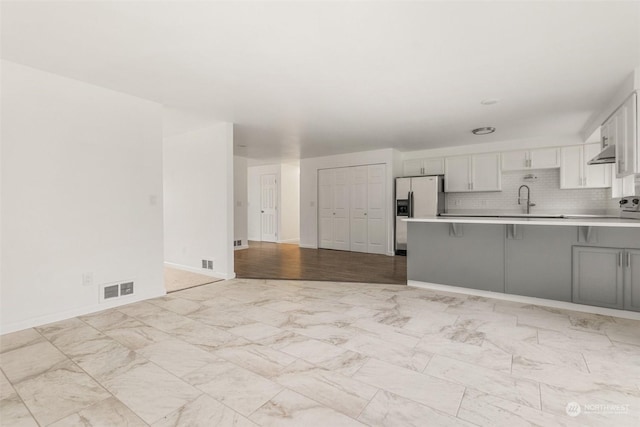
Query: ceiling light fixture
x=483, y=131
x=489, y=101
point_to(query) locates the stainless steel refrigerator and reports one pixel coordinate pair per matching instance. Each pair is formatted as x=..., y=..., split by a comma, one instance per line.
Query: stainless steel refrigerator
x=416, y=197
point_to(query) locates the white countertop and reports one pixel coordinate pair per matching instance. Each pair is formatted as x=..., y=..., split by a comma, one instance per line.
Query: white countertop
x=583, y=222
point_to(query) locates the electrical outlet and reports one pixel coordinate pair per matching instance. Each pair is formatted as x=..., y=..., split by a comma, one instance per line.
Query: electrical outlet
x=87, y=279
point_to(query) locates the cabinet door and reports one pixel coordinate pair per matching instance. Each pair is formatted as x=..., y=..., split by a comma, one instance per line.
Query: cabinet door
x=433, y=166
x=544, y=158
x=515, y=160
x=632, y=280
x=341, y=202
x=538, y=262
x=457, y=174
x=595, y=176
x=413, y=167
x=325, y=208
x=597, y=276
x=359, y=209
x=571, y=167
x=376, y=209
x=622, y=187
x=486, y=175
x=475, y=260
x=625, y=125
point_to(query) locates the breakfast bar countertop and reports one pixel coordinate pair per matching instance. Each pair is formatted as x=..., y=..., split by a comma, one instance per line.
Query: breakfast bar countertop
x=569, y=220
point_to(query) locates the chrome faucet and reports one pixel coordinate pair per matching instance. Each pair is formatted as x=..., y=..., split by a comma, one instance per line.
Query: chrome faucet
x=529, y=204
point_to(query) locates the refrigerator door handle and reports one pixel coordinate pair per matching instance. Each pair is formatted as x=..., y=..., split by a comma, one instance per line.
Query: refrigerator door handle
x=411, y=204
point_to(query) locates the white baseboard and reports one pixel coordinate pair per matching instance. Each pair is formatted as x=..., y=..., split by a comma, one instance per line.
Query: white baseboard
x=308, y=246
x=68, y=314
x=203, y=271
x=290, y=241
x=527, y=300
x=239, y=248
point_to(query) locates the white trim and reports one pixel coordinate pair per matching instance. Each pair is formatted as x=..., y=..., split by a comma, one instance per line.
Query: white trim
x=238, y=248
x=302, y=245
x=527, y=300
x=290, y=241
x=68, y=314
x=203, y=271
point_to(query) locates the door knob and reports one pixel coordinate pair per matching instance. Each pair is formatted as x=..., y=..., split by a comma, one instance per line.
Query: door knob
x=261, y=211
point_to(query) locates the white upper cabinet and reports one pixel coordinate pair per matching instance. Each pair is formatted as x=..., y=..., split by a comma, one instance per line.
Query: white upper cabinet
x=413, y=167
x=478, y=172
x=574, y=171
x=418, y=167
x=624, y=121
x=622, y=187
x=542, y=158
x=457, y=174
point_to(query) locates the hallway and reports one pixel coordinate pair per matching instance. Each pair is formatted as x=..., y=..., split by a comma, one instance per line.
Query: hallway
x=285, y=261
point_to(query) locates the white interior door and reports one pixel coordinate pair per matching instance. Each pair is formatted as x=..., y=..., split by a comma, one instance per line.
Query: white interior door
x=359, y=226
x=376, y=209
x=341, y=202
x=325, y=208
x=268, y=208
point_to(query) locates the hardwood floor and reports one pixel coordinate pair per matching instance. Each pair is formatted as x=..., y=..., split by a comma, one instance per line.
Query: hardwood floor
x=283, y=261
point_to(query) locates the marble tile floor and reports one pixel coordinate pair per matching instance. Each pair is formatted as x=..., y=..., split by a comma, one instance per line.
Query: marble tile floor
x=267, y=352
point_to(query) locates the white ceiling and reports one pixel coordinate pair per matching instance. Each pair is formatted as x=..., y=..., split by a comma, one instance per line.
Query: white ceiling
x=303, y=79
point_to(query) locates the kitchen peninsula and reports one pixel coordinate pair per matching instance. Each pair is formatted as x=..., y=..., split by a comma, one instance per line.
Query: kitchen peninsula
x=584, y=260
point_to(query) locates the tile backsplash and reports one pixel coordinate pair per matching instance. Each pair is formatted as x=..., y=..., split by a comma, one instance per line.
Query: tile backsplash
x=545, y=193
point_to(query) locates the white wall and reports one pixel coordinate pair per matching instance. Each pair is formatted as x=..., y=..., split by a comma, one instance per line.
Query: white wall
x=81, y=193
x=198, y=199
x=290, y=203
x=309, y=189
x=240, y=197
x=507, y=145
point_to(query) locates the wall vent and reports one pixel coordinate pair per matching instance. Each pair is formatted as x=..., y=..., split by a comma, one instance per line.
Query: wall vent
x=126, y=288
x=110, y=292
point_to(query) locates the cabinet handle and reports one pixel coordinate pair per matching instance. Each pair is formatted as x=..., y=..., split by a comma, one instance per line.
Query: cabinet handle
x=619, y=259
x=628, y=259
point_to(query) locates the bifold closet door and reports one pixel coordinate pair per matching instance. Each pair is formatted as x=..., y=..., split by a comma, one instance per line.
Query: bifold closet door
x=376, y=209
x=359, y=207
x=333, y=208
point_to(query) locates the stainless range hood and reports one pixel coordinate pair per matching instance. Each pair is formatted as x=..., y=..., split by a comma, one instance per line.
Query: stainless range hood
x=608, y=155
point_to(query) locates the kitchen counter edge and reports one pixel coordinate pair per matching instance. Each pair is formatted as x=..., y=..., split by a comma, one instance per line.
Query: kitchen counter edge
x=569, y=222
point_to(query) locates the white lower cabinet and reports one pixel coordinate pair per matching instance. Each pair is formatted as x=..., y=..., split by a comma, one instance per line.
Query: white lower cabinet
x=477, y=172
x=576, y=173
x=351, y=209
x=606, y=277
